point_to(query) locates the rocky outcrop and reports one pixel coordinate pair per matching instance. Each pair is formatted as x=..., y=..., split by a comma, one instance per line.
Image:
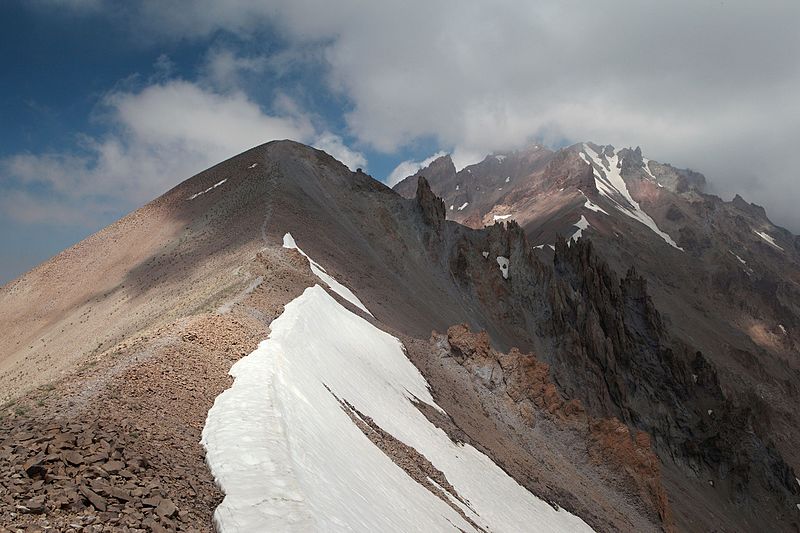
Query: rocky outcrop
x=441, y=171
x=524, y=382
x=431, y=206
x=615, y=354
x=567, y=169
x=753, y=210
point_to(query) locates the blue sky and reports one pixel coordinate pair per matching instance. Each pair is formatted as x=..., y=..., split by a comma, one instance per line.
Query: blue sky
x=104, y=105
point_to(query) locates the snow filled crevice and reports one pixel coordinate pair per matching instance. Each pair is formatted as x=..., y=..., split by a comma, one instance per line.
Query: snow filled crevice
x=591, y=206
x=289, y=458
x=338, y=288
x=609, y=182
x=646, y=167
x=768, y=238
x=195, y=195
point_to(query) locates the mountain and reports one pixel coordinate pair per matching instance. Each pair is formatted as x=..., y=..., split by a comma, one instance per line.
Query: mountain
x=401, y=361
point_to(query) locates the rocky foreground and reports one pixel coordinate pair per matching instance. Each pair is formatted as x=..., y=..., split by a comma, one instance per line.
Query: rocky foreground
x=116, y=447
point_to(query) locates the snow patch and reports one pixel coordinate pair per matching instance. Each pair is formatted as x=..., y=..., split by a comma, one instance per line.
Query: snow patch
x=581, y=224
x=254, y=165
x=503, y=263
x=289, y=458
x=783, y=329
x=457, y=187
x=465, y=204
x=591, y=206
x=485, y=254
x=610, y=183
x=451, y=207
x=501, y=217
x=508, y=178
x=500, y=158
x=338, y=288
x=768, y=238
x=192, y=197
x=742, y=261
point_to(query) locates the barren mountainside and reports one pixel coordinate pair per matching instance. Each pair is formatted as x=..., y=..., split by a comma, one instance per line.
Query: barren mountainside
x=556, y=340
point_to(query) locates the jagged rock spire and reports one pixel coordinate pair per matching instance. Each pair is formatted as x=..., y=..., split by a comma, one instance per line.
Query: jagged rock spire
x=431, y=206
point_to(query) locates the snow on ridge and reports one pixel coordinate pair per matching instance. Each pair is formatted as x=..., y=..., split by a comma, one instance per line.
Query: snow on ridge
x=768, y=238
x=192, y=197
x=289, y=458
x=502, y=262
x=338, y=288
x=612, y=184
x=581, y=224
x=465, y=204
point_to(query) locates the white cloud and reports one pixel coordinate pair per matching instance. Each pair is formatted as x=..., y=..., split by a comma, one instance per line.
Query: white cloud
x=409, y=168
x=334, y=145
x=224, y=67
x=161, y=134
x=713, y=86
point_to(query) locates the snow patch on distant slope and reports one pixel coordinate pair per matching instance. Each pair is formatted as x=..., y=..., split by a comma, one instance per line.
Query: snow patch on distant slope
x=502, y=262
x=591, y=206
x=646, y=167
x=611, y=185
x=289, y=458
x=742, y=261
x=501, y=217
x=581, y=224
x=338, y=288
x=768, y=238
x=500, y=158
x=465, y=204
x=192, y=197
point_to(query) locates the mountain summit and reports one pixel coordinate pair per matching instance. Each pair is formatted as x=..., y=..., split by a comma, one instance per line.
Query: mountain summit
x=554, y=340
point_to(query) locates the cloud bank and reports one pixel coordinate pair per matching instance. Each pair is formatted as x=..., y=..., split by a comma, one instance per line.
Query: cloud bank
x=707, y=85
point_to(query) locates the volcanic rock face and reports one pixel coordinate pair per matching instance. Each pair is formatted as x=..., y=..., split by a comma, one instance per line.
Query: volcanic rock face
x=432, y=207
x=662, y=393
x=525, y=381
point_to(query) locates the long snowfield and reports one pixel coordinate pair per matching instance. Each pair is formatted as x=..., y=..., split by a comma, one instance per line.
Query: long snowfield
x=289, y=458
